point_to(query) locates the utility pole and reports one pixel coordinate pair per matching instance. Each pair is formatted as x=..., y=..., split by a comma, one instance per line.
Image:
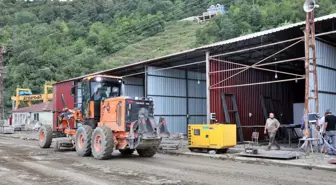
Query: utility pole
x=2, y=104
x=310, y=51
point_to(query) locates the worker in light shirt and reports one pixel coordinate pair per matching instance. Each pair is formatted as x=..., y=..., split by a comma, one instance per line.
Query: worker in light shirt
x=271, y=127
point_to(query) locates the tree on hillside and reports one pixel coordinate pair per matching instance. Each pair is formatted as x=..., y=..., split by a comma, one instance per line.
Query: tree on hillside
x=53, y=41
x=246, y=17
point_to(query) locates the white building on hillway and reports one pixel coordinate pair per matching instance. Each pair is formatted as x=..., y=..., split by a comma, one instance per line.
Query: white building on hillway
x=27, y=117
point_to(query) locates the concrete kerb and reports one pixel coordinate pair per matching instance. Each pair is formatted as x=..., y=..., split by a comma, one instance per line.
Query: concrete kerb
x=253, y=160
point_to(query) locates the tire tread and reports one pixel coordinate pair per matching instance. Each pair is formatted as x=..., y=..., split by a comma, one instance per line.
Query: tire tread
x=48, y=136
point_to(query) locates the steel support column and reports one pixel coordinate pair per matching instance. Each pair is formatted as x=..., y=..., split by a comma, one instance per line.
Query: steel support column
x=187, y=99
x=207, y=60
x=146, y=81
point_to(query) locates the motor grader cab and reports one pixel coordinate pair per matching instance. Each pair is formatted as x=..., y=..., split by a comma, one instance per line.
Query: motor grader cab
x=93, y=90
x=106, y=121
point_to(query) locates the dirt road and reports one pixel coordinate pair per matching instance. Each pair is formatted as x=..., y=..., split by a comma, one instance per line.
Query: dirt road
x=23, y=162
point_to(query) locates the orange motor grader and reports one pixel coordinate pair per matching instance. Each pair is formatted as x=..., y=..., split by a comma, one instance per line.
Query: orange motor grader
x=106, y=121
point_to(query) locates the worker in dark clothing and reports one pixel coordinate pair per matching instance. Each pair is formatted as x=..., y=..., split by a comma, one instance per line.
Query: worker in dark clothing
x=330, y=128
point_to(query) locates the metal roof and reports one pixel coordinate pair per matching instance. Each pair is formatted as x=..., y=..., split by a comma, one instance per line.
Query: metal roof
x=206, y=47
x=266, y=32
x=133, y=64
x=42, y=107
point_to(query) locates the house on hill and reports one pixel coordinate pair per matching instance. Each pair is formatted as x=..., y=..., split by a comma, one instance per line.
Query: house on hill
x=28, y=116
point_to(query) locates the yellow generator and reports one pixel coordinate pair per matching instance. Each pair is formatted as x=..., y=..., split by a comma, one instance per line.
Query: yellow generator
x=205, y=137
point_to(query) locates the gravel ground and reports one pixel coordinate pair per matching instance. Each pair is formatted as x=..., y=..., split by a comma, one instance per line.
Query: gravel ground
x=23, y=162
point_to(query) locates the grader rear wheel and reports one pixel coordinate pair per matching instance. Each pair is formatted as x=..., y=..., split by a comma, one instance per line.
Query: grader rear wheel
x=45, y=136
x=148, y=152
x=83, y=140
x=102, y=143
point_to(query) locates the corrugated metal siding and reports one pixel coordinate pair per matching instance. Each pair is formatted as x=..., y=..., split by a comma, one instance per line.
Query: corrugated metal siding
x=248, y=98
x=195, y=89
x=326, y=79
x=325, y=54
x=326, y=74
x=197, y=107
x=166, y=86
x=162, y=85
x=196, y=75
x=327, y=101
x=170, y=73
x=174, y=124
x=197, y=119
x=133, y=87
x=169, y=92
x=169, y=106
x=133, y=80
x=134, y=91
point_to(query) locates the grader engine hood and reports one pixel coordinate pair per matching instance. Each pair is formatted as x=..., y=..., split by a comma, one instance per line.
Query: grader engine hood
x=140, y=115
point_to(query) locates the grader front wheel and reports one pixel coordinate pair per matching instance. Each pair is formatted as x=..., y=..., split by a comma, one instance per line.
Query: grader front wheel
x=45, y=136
x=102, y=143
x=83, y=140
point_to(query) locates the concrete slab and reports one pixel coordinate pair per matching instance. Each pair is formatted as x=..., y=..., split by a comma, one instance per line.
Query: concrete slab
x=307, y=163
x=285, y=155
x=6, y=130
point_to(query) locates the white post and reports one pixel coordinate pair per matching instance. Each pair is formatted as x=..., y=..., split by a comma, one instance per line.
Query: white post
x=207, y=55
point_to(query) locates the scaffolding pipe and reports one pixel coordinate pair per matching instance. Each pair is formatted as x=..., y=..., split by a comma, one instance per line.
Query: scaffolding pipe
x=314, y=63
x=266, y=64
x=277, y=71
x=259, y=83
x=307, y=64
x=272, y=44
x=258, y=47
x=258, y=62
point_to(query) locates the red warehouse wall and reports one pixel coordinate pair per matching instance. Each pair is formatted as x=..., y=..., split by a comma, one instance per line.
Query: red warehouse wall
x=248, y=98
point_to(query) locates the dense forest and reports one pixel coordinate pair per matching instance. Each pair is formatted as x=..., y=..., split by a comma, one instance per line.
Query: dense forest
x=48, y=41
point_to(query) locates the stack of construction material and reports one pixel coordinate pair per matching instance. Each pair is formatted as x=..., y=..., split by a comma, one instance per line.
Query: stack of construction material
x=174, y=142
x=5, y=127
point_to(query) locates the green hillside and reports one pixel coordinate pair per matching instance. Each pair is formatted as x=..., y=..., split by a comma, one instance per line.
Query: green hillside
x=178, y=36
x=46, y=41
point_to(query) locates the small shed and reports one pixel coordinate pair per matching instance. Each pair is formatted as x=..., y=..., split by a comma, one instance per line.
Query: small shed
x=42, y=113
